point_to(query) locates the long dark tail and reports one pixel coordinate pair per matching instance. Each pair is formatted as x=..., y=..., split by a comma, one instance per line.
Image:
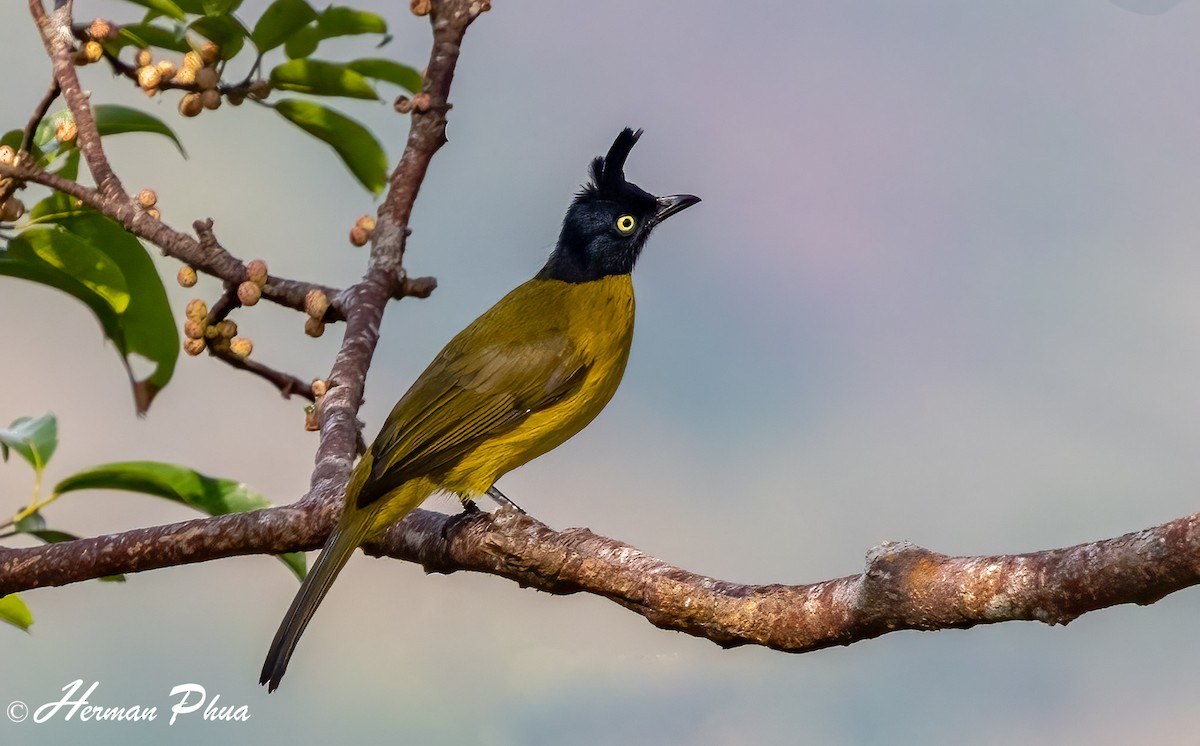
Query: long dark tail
x=338, y=548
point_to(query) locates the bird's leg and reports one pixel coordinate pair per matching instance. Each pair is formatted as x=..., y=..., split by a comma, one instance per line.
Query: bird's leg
x=470, y=507
x=468, y=511
x=494, y=493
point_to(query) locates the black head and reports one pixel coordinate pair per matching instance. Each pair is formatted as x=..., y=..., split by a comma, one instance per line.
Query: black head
x=609, y=221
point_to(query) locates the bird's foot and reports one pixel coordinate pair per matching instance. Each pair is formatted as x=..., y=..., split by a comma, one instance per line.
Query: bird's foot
x=470, y=509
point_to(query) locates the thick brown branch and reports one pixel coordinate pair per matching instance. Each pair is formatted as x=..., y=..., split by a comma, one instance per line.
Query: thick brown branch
x=384, y=277
x=902, y=587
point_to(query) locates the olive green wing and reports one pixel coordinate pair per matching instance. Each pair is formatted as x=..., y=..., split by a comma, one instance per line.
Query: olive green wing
x=465, y=398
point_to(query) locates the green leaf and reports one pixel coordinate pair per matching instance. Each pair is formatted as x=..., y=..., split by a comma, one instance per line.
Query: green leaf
x=77, y=259
x=43, y=136
x=113, y=119
x=226, y=32
x=295, y=562
x=279, y=21
x=149, y=35
x=14, y=611
x=207, y=494
x=31, y=523
x=147, y=321
x=302, y=43
x=390, y=71
x=34, y=439
x=354, y=143
x=51, y=536
x=178, y=483
x=218, y=7
x=321, y=79
x=70, y=168
x=165, y=7
x=97, y=261
x=20, y=260
x=339, y=20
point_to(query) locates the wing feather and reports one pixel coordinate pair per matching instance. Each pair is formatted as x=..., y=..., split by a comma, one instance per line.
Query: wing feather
x=463, y=399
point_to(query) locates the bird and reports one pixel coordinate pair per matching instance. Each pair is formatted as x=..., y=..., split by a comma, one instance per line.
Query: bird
x=520, y=380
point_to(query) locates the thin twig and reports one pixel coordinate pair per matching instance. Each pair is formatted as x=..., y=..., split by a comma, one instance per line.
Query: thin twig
x=210, y=258
x=224, y=305
x=287, y=384
x=10, y=186
x=38, y=115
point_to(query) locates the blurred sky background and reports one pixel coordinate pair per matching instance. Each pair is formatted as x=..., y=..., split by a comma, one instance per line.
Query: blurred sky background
x=941, y=289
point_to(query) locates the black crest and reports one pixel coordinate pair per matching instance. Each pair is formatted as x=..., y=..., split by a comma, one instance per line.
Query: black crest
x=608, y=172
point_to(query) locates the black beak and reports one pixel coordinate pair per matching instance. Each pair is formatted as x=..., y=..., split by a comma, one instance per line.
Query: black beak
x=668, y=206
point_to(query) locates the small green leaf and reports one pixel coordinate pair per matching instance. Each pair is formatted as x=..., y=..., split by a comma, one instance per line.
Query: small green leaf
x=14, y=611
x=354, y=143
x=321, y=79
x=180, y=484
x=113, y=119
x=70, y=168
x=165, y=7
x=279, y=21
x=34, y=439
x=302, y=43
x=43, y=136
x=31, y=523
x=149, y=35
x=392, y=72
x=339, y=20
x=227, y=32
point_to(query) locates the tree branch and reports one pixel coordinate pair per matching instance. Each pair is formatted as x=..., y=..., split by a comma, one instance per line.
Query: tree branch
x=902, y=587
x=287, y=384
x=384, y=278
x=58, y=38
x=204, y=254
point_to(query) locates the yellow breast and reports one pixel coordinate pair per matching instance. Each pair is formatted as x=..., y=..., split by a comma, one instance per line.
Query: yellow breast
x=597, y=317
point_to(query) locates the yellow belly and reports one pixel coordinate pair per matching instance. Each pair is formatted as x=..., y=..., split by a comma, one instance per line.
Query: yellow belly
x=597, y=318
x=600, y=317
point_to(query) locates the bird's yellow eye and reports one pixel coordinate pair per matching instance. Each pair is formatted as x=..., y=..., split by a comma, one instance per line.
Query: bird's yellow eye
x=626, y=224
